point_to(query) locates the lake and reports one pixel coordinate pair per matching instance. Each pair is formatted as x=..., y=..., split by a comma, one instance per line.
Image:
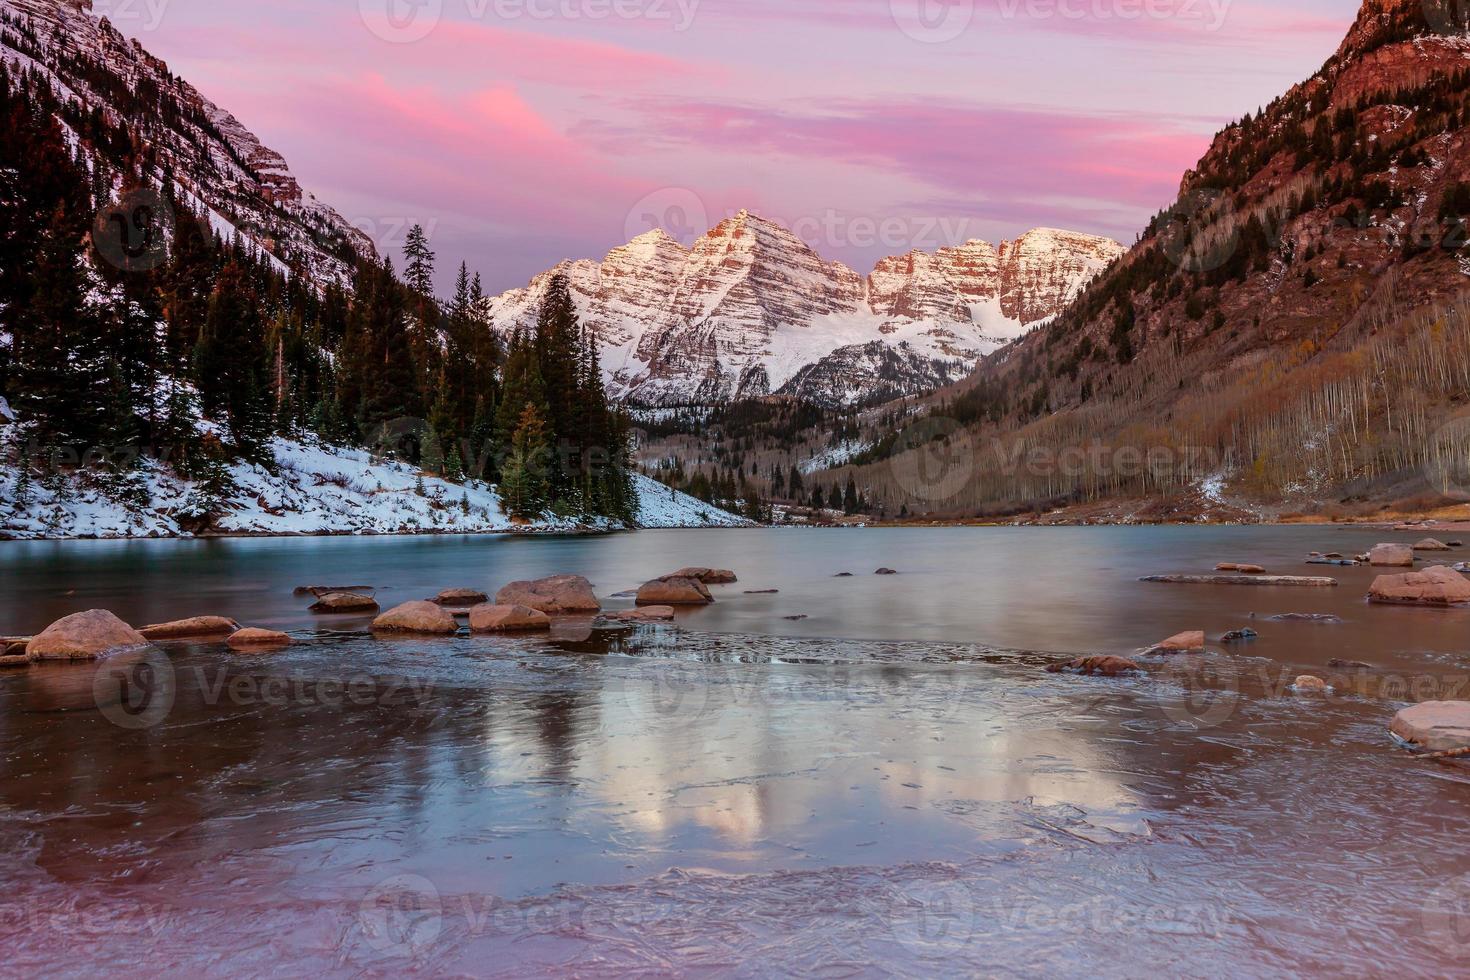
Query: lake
x=892, y=785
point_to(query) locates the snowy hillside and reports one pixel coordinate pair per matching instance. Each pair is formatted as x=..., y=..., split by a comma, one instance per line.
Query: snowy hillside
x=318, y=490
x=750, y=310
x=244, y=189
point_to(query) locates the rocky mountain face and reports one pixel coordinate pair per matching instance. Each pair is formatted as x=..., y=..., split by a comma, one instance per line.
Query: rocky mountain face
x=1293, y=325
x=750, y=310
x=215, y=163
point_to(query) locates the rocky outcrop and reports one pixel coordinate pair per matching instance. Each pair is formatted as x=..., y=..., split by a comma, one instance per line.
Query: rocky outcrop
x=487, y=618
x=212, y=157
x=257, y=639
x=559, y=595
x=92, y=635
x=1434, y=586
x=200, y=627
x=416, y=617
x=674, y=590
x=750, y=309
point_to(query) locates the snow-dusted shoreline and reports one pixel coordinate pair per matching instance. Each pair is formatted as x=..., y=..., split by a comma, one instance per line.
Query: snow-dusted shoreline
x=317, y=490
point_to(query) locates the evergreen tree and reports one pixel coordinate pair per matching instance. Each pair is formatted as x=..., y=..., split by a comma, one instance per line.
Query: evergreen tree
x=524, y=487
x=231, y=363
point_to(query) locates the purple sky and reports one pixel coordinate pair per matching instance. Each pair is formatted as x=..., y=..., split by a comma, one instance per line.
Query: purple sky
x=521, y=132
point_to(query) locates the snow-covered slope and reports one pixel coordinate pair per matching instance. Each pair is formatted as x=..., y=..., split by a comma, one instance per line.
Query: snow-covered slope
x=317, y=490
x=750, y=309
x=218, y=166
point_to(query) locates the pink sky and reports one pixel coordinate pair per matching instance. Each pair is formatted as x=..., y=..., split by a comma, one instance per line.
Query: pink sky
x=521, y=132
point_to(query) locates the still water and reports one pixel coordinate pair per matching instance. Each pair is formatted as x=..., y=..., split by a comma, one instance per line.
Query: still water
x=892, y=785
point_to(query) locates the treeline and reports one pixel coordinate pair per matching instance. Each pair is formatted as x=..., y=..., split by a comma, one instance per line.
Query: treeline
x=131, y=329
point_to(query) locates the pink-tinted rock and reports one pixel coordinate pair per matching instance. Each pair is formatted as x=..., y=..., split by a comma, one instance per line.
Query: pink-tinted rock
x=460, y=598
x=486, y=618
x=1391, y=556
x=1308, y=684
x=1096, y=666
x=344, y=602
x=709, y=576
x=1434, y=726
x=674, y=591
x=1189, y=642
x=91, y=635
x=560, y=595
x=416, y=617
x=1433, y=586
x=199, y=627
x=255, y=639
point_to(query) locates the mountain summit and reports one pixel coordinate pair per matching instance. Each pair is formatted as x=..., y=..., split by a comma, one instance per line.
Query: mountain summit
x=750, y=309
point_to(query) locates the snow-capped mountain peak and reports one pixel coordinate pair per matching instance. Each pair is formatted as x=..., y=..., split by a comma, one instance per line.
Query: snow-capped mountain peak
x=750, y=309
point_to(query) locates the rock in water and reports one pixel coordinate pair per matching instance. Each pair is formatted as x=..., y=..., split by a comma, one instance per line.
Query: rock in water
x=1230, y=566
x=92, y=635
x=648, y=614
x=416, y=617
x=254, y=639
x=1391, y=556
x=674, y=591
x=1189, y=642
x=1434, y=726
x=1307, y=684
x=487, y=618
x=344, y=602
x=1434, y=586
x=1297, y=581
x=200, y=627
x=460, y=598
x=1431, y=544
x=560, y=595
x=709, y=576
x=1096, y=666
x=1239, y=636
x=885, y=571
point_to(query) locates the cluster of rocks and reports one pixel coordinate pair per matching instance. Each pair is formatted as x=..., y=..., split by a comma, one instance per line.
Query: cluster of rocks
x=98, y=634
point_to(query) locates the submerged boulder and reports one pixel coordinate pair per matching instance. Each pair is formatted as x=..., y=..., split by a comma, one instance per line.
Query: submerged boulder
x=199, y=627
x=674, y=590
x=559, y=595
x=1230, y=566
x=487, y=618
x=1431, y=544
x=416, y=617
x=460, y=598
x=253, y=639
x=344, y=602
x=885, y=571
x=1096, y=666
x=1391, y=556
x=1437, y=585
x=92, y=635
x=1434, y=726
x=646, y=614
x=709, y=576
x=321, y=590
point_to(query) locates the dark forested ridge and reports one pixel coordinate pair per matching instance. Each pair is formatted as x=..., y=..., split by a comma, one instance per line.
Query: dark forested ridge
x=133, y=328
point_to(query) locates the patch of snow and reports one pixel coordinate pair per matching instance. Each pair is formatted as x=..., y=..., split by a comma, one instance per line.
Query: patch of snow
x=317, y=489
